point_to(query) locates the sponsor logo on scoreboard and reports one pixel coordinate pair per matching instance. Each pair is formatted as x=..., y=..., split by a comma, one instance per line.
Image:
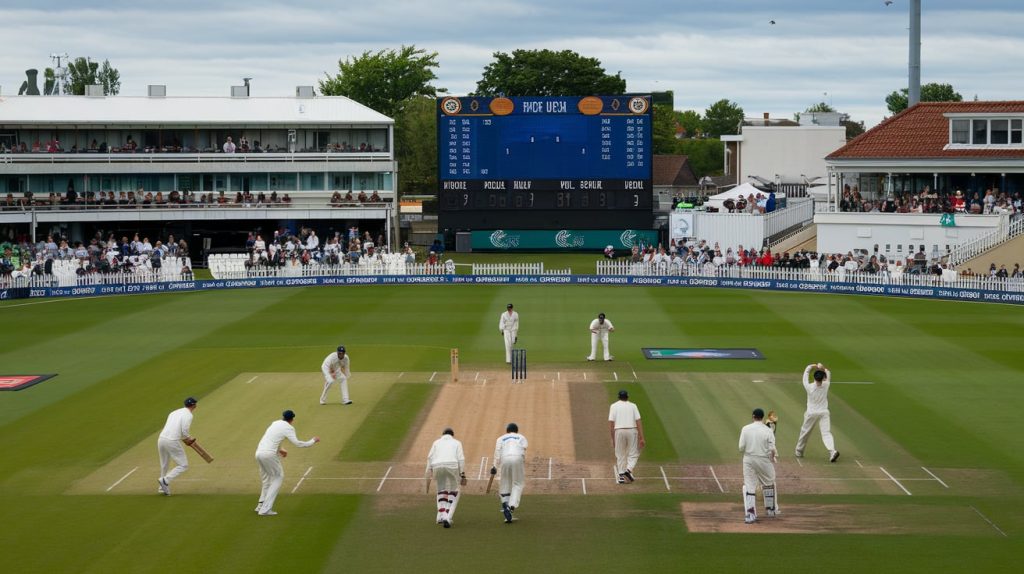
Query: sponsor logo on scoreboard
x=638, y=105
x=566, y=239
x=451, y=106
x=502, y=240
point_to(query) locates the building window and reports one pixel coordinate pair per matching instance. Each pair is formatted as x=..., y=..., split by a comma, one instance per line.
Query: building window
x=1000, y=133
x=980, y=128
x=961, y=132
x=1015, y=131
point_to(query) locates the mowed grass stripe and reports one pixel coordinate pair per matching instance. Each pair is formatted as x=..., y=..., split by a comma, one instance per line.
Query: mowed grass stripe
x=388, y=425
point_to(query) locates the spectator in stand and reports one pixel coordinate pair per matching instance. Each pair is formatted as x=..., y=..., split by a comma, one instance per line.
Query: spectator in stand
x=273, y=197
x=336, y=199
x=348, y=196
x=362, y=197
x=375, y=198
x=766, y=258
x=312, y=242
x=959, y=203
x=229, y=146
x=410, y=256
x=286, y=200
x=243, y=144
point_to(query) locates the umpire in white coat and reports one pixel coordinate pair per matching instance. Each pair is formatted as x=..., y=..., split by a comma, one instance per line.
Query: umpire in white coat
x=599, y=329
x=508, y=324
x=510, y=455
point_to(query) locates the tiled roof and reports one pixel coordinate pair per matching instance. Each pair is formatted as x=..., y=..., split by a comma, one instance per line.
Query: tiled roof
x=672, y=170
x=922, y=131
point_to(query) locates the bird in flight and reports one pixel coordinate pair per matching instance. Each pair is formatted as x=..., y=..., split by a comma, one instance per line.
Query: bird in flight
x=772, y=22
x=888, y=2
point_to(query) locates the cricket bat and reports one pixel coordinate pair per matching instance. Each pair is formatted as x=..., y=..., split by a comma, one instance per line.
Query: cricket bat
x=202, y=451
x=490, y=481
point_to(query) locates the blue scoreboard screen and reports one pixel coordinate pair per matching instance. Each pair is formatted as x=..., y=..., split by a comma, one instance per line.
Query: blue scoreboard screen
x=546, y=153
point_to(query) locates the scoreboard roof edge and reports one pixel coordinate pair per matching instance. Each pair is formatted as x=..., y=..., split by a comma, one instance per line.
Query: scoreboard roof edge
x=466, y=106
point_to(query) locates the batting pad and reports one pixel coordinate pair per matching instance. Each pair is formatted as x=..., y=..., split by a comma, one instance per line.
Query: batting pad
x=19, y=382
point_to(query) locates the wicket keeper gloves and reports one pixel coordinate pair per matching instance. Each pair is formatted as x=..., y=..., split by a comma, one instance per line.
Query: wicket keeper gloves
x=494, y=471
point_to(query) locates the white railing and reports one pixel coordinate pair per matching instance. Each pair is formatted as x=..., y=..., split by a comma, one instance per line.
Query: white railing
x=515, y=269
x=1005, y=231
x=90, y=279
x=949, y=278
x=751, y=228
x=175, y=157
x=797, y=212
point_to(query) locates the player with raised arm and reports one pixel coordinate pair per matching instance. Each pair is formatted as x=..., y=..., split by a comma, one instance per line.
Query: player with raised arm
x=817, y=410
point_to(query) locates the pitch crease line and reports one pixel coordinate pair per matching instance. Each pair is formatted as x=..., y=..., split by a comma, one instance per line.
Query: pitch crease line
x=935, y=477
x=665, y=478
x=584, y=481
x=992, y=524
x=299, y=483
x=432, y=375
x=550, y=463
x=252, y=379
x=616, y=375
x=381, y=485
x=799, y=462
x=120, y=480
x=399, y=375
x=858, y=463
x=716, y=479
x=903, y=488
x=483, y=462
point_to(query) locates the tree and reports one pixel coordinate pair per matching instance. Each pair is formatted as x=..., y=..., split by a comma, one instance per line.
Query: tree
x=853, y=129
x=547, y=73
x=84, y=72
x=416, y=146
x=691, y=122
x=722, y=118
x=706, y=156
x=386, y=80
x=933, y=92
x=663, y=130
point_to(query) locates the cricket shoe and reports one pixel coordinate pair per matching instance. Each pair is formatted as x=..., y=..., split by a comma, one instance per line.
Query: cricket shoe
x=507, y=512
x=165, y=488
x=589, y=359
x=610, y=359
x=267, y=513
x=628, y=475
x=773, y=513
x=346, y=402
x=446, y=523
x=834, y=457
x=323, y=402
x=749, y=520
x=259, y=506
x=798, y=454
x=621, y=479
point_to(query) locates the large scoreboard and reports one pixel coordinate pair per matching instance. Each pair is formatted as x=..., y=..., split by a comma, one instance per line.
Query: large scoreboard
x=544, y=162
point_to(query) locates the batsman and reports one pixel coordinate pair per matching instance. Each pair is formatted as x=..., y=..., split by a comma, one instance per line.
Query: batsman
x=757, y=443
x=169, y=445
x=510, y=455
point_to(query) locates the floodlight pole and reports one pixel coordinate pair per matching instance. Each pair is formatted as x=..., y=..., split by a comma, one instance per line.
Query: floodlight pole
x=914, y=90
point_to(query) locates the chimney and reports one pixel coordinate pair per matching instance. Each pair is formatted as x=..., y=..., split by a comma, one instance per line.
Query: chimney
x=239, y=92
x=94, y=91
x=304, y=92
x=157, y=91
x=766, y=121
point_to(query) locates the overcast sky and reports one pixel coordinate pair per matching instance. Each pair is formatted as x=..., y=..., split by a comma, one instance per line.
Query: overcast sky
x=849, y=53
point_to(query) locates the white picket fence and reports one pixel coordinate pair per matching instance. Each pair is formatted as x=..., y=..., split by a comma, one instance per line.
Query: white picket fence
x=65, y=273
x=515, y=269
x=1005, y=231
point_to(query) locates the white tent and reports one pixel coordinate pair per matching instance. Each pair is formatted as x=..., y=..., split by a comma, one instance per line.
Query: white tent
x=744, y=190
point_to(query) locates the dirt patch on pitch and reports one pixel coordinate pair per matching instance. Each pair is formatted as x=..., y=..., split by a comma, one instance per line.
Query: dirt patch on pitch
x=837, y=519
x=478, y=411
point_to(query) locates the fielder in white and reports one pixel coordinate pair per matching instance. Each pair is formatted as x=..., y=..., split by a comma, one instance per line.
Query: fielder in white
x=510, y=455
x=627, y=436
x=169, y=445
x=817, y=411
x=757, y=443
x=447, y=463
x=599, y=329
x=268, y=458
x=508, y=325
x=336, y=370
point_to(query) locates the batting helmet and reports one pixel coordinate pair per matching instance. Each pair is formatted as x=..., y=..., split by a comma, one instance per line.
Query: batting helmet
x=512, y=427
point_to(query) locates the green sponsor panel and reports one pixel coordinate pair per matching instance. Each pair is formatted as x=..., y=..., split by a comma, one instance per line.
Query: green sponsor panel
x=561, y=239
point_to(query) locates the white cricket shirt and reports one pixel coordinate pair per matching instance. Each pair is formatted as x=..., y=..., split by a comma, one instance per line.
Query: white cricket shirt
x=332, y=365
x=817, y=397
x=624, y=414
x=275, y=435
x=756, y=439
x=601, y=328
x=508, y=321
x=510, y=445
x=177, y=425
x=446, y=451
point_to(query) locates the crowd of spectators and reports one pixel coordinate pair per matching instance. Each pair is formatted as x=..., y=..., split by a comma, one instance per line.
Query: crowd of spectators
x=992, y=201
x=305, y=248
x=339, y=200
x=23, y=259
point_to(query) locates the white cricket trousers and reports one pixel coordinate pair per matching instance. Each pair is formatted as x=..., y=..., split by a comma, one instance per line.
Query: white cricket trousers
x=627, y=449
x=593, y=346
x=513, y=479
x=342, y=381
x=271, y=475
x=824, y=422
x=447, y=479
x=171, y=450
x=510, y=340
x=758, y=471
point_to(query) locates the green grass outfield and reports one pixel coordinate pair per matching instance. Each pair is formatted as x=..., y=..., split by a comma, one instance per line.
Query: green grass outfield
x=946, y=393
